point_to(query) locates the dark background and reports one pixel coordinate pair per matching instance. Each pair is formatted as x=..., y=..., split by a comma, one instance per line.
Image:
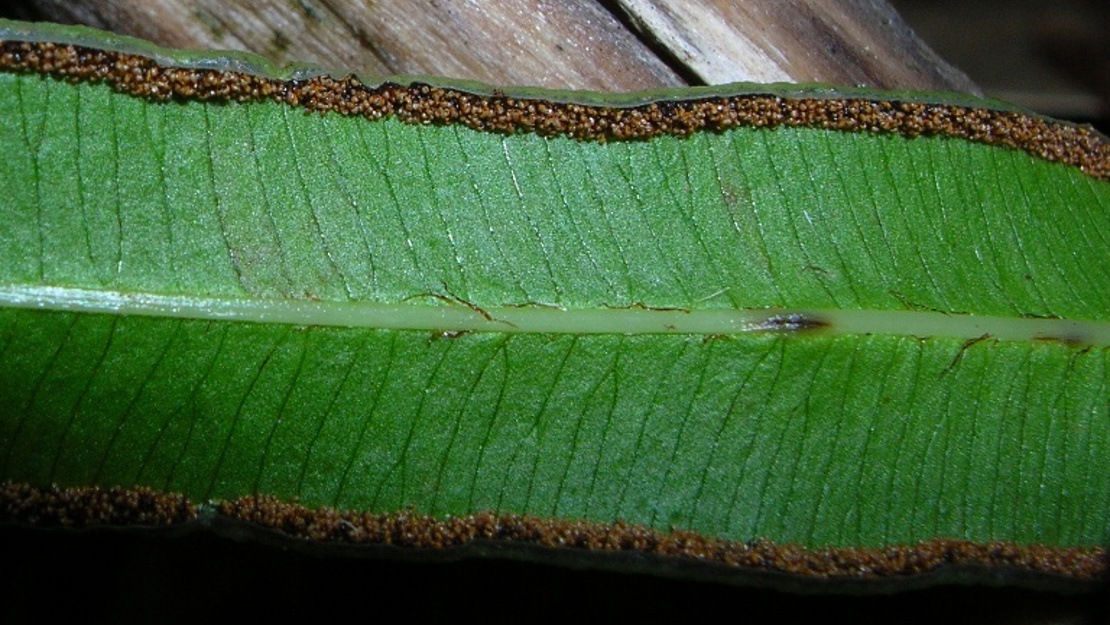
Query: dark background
x=145, y=577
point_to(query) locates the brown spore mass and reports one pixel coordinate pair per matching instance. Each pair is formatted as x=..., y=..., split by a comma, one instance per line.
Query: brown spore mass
x=425, y=104
x=89, y=507
x=83, y=507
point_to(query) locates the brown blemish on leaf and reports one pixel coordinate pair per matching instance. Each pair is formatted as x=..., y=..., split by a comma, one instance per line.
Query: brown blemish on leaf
x=88, y=507
x=424, y=104
x=1075, y=340
x=960, y=354
x=451, y=298
x=793, y=323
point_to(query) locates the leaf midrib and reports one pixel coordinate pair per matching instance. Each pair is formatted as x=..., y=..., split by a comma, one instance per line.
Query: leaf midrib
x=439, y=313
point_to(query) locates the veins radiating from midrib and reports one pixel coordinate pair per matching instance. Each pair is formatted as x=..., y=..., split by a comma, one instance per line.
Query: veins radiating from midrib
x=331, y=161
x=674, y=460
x=35, y=389
x=816, y=214
x=681, y=204
x=991, y=247
x=1019, y=203
x=372, y=413
x=537, y=431
x=383, y=170
x=591, y=178
x=244, y=396
x=82, y=395
x=1089, y=229
x=440, y=207
x=843, y=384
x=285, y=394
x=265, y=183
x=329, y=410
x=156, y=139
x=1088, y=232
x=792, y=213
x=218, y=204
x=517, y=272
x=305, y=199
x=121, y=231
x=643, y=210
x=137, y=394
x=34, y=150
x=464, y=411
x=526, y=211
x=505, y=264
x=913, y=234
x=564, y=207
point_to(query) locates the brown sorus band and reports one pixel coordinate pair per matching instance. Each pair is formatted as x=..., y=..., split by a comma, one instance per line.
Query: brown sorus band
x=425, y=104
x=87, y=507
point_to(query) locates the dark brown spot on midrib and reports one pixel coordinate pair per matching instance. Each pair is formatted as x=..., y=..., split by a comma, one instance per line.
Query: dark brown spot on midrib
x=793, y=323
x=425, y=104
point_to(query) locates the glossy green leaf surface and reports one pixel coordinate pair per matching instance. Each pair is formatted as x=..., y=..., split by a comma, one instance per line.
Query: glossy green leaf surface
x=242, y=298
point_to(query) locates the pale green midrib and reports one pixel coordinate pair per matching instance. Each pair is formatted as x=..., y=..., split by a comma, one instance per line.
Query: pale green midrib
x=437, y=315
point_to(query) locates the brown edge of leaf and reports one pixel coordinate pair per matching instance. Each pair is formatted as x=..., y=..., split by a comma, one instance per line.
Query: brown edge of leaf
x=93, y=507
x=418, y=103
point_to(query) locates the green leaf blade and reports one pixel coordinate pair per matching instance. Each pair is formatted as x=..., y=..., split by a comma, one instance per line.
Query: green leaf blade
x=834, y=241
x=810, y=337
x=766, y=455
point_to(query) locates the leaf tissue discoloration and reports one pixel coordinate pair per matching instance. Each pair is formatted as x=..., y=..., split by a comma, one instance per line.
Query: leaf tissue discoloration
x=794, y=323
